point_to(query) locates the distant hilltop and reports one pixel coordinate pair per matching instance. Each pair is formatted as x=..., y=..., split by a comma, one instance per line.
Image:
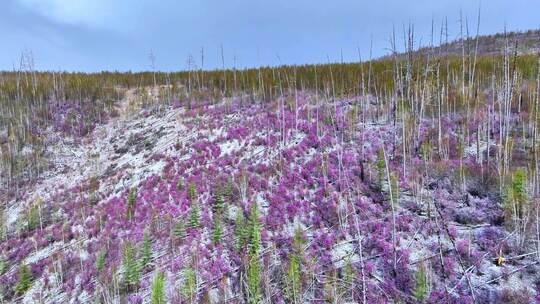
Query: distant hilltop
x=520, y=42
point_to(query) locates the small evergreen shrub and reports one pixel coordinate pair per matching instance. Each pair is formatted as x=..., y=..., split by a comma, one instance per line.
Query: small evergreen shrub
x=294, y=270
x=158, y=289
x=101, y=259
x=3, y=265
x=516, y=198
x=192, y=192
x=421, y=290
x=25, y=280
x=3, y=228
x=179, y=229
x=189, y=288
x=254, y=248
x=131, y=267
x=180, y=185
x=218, y=230
x=146, y=250
x=219, y=205
x=240, y=231
x=381, y=168
x=131, y=200
x=194, y=215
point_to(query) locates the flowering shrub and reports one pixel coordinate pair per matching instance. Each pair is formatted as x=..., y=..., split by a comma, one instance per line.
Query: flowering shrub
x=276, y=203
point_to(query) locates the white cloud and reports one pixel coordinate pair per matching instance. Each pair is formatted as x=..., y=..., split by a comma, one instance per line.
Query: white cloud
x=89, y=13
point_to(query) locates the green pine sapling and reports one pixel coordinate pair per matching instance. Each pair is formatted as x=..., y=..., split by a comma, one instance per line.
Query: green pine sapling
x=219, y=205
x=3, y=228
x=33, y=217
x=180, y=185
x=189, y=288
x=131, y=267
x=101, y=259
x=422, y=286
x=192, y=192
x=146, y=251
x=517, y=204
x=194, y=215
x=25, y=280
x=294, y=270
x=158, y=289
x=254, y=249
x=349, y=275
x=3, y=265
x=218, y=229
x=179, y=229
x=240, y=231
x=394, y=182
x=381, y=168
x=194, y=212
x=516, y=196
x=131, y=200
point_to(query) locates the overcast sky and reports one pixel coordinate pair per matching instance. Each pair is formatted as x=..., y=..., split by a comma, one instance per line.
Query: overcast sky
x=93, y=35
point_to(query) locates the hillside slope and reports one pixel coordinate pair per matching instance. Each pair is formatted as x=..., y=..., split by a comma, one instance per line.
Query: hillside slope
x=382, y=182
x=192, y=186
